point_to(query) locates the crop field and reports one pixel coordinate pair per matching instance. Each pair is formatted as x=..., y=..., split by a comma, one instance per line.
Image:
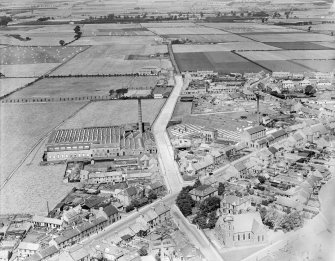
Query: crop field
x=137, y=93
x=289, y=55
x=7, y=85
x=25, y=124
x=222, y=62
x=185, y=30
x=116, y=40
x=34, y=55
x=238, y=46
x=284, y=66
x=111, y=59
x=291, y=37
x=210, y=38
x=249, y=27
x=168, y=25
x=318, y=65
x=81, y=87
x=298, y=45
x=27, y=70
x=115, y=112
x=327, y=44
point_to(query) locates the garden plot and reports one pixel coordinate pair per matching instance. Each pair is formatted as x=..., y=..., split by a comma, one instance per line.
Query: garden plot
x=36, y=55
x=111, y=60
x=239, y=46
x=298, y=45
x=249, y=27
x=210, y=38
x=289, y=55
x=291, y=37
x=318, y=65
x=25, y=125
x=114, y=112
x=83, y=87
x=27, y=70
x=222, y=62
x=185, y=30
x=8, y=85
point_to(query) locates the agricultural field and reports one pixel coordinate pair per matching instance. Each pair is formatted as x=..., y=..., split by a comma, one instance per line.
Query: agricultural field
x=290, y=37
x=27, y=70
x=222, y=62
x=327, y=44
x=169, y=25
x=284, y=66
x=115, y=112
x=25, y=125
x=111, y=59
x=137, y=93
x=298, y=45
x=238, y=46
x=36, y=55
x=319, y=28
x=289, y=55
x=84, y=86
x=8, y=85
x=249, y=27
x=115, y=30
x=39, y=35
x=116, y=40
x=318, y=65
x=209, y=38
x=185, y=30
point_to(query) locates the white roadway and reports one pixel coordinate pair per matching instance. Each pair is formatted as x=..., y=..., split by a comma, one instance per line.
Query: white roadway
x=174, y=183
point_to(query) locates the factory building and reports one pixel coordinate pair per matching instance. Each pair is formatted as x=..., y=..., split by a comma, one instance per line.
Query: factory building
x=101, y=142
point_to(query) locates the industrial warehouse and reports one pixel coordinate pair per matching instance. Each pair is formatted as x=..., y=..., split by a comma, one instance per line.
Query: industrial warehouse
x=101, y=142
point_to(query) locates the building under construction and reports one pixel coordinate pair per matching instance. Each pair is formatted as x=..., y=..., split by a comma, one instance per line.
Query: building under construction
x=101, y=142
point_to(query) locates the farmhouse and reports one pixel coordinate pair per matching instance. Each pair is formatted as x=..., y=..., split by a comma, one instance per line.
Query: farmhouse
x=100, y=142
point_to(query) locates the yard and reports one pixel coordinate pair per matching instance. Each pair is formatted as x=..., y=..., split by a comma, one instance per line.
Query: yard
x=114, y=112
x=84, y=86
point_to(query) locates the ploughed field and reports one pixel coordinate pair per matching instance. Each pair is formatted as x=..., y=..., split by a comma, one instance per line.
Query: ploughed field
x=83, y=86
x=222, y=62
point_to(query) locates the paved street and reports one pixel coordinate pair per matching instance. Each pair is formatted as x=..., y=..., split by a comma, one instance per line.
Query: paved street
x=165, y=150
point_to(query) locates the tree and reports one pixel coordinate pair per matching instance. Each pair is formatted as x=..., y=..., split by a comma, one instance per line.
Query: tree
x=263, y=213
x=185, y=202
x=310, y=90
x=111, y=92
x=292, y=221
x=261, y=179
x=209, y=205
x=197, y=183
x=152, y=195
x=77, y=29
x=62, y=42
x=221, y=188
x=201, y=14
x=212, y=220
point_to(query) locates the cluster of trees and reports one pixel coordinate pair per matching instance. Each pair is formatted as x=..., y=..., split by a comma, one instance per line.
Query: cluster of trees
x=273, y=219
x=77, y=34
x=206, y=217
x=43, y=19
x=119, y=92
x=310, y=90
x=135, y=204
x=185, y=202
x=4, y=20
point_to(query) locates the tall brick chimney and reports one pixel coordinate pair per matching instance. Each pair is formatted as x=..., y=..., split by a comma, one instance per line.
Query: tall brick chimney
x=140, y=122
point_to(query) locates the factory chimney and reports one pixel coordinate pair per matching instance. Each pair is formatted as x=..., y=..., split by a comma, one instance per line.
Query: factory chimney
x=258, y=115
x=140, y=123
